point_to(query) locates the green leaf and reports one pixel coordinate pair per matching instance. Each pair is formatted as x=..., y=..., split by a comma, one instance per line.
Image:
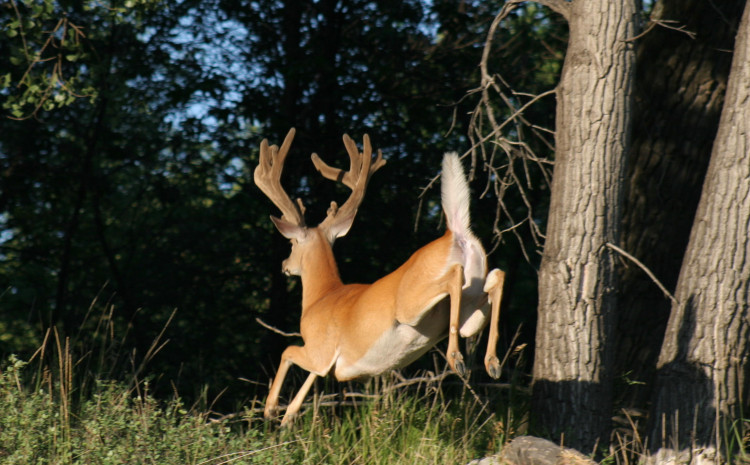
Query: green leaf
x=37, y=10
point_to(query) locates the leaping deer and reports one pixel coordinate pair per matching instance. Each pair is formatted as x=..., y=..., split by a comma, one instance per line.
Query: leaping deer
x=362, y=330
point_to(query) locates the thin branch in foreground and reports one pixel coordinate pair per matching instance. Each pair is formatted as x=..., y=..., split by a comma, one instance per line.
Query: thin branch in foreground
x=232, y=456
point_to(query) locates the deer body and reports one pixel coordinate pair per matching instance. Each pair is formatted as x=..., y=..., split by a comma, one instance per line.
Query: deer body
x=389, y=323
x=362, y=330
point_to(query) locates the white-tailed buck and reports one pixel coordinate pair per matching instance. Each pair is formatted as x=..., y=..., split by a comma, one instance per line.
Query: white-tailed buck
x=362, y=330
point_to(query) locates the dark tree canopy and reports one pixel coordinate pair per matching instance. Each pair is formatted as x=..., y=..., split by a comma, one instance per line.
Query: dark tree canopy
x=126, y=170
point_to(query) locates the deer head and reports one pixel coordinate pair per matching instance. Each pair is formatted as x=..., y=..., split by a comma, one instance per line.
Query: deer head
x=314, y=243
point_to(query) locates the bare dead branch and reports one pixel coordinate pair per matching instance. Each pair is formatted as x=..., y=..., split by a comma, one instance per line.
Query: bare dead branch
x=276, y=330
x=645, y=270
x=665, y=23
x=503, y=141
x=651, y=25
x=232, y=456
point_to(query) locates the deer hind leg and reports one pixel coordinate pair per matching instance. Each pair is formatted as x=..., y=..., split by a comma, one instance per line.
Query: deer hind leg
x=454, y=281
x=293, y=355
x=493, y=286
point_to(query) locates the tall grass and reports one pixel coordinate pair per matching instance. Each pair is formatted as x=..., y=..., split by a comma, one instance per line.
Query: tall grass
x=63, y=407
x=629, y=446
x=116, y=424
x=113, y=426
x=70, y=404
x=397, y=425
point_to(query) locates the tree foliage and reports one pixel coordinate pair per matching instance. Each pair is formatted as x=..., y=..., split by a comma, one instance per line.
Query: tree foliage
x=130, y=130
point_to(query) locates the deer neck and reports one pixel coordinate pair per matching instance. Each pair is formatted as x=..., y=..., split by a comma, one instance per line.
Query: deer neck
x=320, y=274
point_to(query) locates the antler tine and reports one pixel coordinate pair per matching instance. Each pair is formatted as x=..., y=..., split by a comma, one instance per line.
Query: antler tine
x=361, y=167
x=267, y=177
x=350, y=178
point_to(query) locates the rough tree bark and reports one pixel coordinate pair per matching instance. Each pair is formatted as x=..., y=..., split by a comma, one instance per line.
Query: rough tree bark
x=572, y=389
x=679, y=90
x=703, y=367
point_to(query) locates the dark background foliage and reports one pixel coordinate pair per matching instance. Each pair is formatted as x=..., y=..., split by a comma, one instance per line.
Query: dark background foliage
x=128, y=136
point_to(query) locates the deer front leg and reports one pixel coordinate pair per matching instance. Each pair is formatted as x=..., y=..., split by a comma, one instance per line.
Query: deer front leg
x=454, y=281
x=493, y=286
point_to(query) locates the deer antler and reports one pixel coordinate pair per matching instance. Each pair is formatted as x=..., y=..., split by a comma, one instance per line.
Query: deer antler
x=267, y=177
x=361, y=167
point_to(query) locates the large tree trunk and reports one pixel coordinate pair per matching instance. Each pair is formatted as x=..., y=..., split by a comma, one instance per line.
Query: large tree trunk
x=680, y=85
x=702, y=377
x=572, y=384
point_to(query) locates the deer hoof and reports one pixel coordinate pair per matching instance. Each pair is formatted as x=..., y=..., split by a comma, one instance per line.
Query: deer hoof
x=458, y=363
x=270, y=412
x=287, y=421
x=492, y=365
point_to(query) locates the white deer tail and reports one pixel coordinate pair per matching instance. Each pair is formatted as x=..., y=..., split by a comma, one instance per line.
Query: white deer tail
x=455, y=196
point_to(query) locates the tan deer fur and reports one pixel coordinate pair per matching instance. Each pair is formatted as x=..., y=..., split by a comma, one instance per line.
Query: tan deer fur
x=362, y=330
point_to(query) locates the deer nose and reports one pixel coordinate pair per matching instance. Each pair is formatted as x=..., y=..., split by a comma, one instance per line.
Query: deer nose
x=284, y=268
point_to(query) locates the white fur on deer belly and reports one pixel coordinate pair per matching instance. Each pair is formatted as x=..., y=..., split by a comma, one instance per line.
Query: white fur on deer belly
x=394, y=349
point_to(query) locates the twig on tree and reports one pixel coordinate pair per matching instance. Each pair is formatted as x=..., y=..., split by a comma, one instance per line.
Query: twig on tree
x=651, y=25
x=276, y=330
x=645, y=270
x=663, y=23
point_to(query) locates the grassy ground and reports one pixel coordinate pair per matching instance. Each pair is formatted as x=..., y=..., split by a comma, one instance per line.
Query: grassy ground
x=51, y=414
x=61, y=408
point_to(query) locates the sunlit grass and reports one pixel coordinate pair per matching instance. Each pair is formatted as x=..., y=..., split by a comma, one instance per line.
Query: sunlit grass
x=117, y=424
x=396, y=426
x=62, y=407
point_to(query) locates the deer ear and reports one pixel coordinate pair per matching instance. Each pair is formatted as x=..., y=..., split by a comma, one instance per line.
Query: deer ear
x=341, y=227
x=287, y=229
